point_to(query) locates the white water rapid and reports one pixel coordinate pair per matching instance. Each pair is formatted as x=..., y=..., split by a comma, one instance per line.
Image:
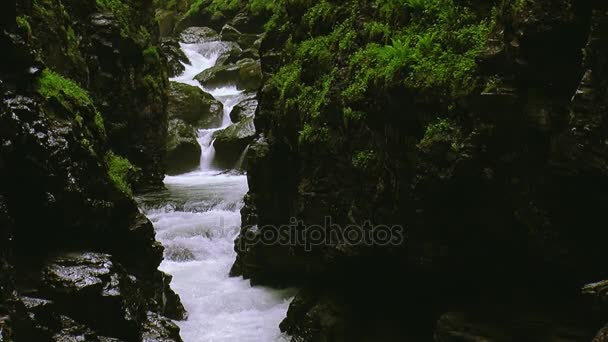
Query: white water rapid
x=197, y=219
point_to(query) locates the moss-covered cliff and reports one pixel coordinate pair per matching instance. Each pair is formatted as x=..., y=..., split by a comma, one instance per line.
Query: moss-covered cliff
x=82, y=122
x=478, y=126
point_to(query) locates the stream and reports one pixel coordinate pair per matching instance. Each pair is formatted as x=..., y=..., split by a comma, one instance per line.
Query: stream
x=197, y=219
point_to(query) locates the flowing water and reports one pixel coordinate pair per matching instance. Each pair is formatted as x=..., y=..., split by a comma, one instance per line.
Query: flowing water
x=197, y=219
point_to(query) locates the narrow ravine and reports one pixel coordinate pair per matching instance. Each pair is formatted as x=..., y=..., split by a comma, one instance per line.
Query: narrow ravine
x=197, y=219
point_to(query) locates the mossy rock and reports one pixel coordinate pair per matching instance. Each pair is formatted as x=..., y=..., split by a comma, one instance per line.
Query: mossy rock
x=247, y=40
x=199, y=35
x=183, y=150
x=246, y=75
x=244, y=110
x=231, y=142
x=194, y=106
x=245, y=54
x=230, y=53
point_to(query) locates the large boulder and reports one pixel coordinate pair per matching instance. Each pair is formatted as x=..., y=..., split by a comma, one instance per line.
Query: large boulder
x=244, y=54
x=194, y=106
x=84, y=285
x=246, y=40
x=175, y=56
x=230, y=143
x=183, y=150
x=198, y=35
x=246, y=75
x=244, y=110
x=229, y=54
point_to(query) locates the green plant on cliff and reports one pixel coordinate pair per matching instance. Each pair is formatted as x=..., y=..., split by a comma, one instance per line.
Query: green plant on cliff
x=24, y=25
x=343, y=54
x=64, y=90
x=119, y=170
x=216, y=7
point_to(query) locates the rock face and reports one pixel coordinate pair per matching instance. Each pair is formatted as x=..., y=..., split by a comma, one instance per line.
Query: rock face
x=183, y=150
x=246, y=75
x=78, y=261
x=175, y=56
x=496, y=199
x=231, y=142
x=194, y=106
x=243, y=110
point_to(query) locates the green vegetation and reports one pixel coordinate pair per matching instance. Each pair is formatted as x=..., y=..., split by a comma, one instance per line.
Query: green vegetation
x=99, y=123
x=343, y=54
x=119, y=169
x=443, y=131
x=66, y=91
x=24, y=25
x=363, y=159
x=215, y=7
x=151, y=55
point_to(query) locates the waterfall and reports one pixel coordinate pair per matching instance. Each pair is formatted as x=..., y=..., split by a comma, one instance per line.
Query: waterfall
x=197, y=220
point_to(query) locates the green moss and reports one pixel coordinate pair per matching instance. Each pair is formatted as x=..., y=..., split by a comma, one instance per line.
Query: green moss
x=151, y=55
x=66, y=91
x=443, y=131
x=79, y=120
x=99, y=124
x=119, y=169
x=24, y=25
x=362, y=160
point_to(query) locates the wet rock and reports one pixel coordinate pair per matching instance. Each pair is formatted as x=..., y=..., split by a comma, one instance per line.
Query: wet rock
x=231, y=142
x=175, y=56
x=183, y=150
x=198, y=35
x=246, y=54
x=243, y=110
x=76, y=273
x=178, y=253
x=159, y=329
x=246, y=75
x=245, y=40
x=194, y=106
x=231, y=51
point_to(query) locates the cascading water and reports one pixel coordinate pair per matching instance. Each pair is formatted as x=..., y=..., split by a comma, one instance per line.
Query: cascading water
x=197, y=219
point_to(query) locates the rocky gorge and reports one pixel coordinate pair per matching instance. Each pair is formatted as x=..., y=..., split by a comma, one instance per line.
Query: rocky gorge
x=478, y=127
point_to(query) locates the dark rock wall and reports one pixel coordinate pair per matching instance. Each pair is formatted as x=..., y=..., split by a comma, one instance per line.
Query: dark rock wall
x=111, y=49
x=502, y=209
x=78, y=260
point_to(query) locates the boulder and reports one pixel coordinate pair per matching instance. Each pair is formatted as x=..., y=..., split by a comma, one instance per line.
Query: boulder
x=198, y=35
x=243, y=110
x=230, y=143
x=229, y=53
x=175, y=56
x=183, y=150
x=246, y=75
x=245, y=54
x=194, y=106
x=246, y=40
x=159, y=328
